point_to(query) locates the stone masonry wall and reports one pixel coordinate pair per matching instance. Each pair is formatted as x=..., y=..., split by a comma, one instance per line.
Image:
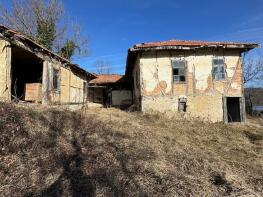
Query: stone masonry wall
x=203, y=94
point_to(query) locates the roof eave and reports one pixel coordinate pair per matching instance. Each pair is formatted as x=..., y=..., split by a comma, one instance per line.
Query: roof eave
x=244, y=47
x=136, y=49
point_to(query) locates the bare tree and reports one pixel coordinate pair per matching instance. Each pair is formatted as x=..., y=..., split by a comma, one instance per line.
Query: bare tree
x=103, y=66
x=253, y=70
x=45, y=22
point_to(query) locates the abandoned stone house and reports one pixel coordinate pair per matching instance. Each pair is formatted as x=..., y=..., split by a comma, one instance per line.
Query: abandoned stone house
x=30, y=72
x=203, y=79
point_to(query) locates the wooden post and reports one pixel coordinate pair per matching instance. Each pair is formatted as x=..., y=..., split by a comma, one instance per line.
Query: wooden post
x=45, y=81
x=243, y=109
x=9, y=72
x=225, y=109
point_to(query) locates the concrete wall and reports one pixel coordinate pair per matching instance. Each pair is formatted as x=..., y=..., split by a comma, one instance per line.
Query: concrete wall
x=203, y=94
x=5, y=63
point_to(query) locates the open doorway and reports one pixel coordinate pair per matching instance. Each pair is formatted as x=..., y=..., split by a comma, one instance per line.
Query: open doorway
x=26, y=68
x=96, y=94
x=234, y=107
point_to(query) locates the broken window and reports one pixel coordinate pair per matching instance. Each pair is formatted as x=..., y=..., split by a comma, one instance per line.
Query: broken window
x=178, y=70
x=218, y=70
x=56, y=84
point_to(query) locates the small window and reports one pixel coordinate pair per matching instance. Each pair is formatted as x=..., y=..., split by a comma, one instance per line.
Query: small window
x=218, y=70
x=178, y=70
x=56, y=79
x=182, y=105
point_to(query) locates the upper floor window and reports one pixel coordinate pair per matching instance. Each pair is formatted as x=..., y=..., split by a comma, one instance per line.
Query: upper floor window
x=218, y=70
x=178, y=70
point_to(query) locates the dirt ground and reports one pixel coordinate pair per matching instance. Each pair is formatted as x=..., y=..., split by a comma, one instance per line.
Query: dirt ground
x=108, y=152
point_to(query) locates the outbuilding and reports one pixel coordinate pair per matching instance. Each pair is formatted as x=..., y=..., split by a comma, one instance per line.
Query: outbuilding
x=30, y=72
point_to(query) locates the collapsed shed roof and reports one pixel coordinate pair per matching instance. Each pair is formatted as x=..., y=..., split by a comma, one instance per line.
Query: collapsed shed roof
x=21, y=40
x=183, y=45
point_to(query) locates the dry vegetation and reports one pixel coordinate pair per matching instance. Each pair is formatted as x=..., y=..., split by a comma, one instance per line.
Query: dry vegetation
x=51, y=152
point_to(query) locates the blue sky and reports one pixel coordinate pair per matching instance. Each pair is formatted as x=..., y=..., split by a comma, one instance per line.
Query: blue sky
x=112, y=26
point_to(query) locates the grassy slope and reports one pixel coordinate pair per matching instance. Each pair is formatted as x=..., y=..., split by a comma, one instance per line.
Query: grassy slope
x=50, y=152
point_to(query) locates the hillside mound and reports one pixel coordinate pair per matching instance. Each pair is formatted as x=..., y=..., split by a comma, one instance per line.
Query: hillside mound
x=108, y=152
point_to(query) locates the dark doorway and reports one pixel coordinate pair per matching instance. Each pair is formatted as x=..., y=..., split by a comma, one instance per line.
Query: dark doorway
x=25, y=68
x=233, y=109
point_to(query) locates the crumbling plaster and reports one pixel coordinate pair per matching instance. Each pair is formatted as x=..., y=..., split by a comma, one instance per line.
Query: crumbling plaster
x=137, y=78
x=5, y=64
x=71, y=84
x=203, y=94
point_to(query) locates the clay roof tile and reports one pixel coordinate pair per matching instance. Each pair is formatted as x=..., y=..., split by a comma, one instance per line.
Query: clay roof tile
x=106, y=78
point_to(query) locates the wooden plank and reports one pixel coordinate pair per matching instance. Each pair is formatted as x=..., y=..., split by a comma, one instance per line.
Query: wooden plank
x=33, y=92
x=45, y=83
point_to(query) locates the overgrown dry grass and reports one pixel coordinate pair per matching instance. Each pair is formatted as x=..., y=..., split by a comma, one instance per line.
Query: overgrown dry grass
x=108, y=152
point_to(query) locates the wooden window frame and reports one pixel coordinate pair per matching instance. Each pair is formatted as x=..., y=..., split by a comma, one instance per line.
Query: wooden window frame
x=56, y=79
x=179, y=75
x=218, y=67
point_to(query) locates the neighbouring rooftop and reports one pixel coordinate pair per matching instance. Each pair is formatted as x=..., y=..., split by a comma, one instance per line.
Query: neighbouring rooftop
x=106, y=79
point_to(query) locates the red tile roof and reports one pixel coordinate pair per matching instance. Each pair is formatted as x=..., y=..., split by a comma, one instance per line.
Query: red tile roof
x=106, y=78
x=183, y=45
x=189, y=43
